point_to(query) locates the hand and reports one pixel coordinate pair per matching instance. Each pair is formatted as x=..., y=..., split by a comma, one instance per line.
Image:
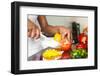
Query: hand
x=33, y=30
x=65, y=32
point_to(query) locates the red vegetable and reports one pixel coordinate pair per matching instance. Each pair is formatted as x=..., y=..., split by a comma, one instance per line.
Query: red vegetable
x=81, y=46
x=65, y=56
x=83, y=38
x=65, y=45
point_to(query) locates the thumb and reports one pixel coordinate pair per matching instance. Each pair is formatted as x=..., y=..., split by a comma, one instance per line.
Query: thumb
x=64, y=36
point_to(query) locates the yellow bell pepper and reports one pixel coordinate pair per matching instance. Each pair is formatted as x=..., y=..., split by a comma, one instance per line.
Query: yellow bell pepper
x=57, y=37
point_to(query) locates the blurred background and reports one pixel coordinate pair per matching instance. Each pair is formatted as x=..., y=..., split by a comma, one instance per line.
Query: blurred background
x=67, y=21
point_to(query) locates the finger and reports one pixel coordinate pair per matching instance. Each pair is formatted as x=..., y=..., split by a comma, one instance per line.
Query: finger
x=64, y=35
x=68, y=36
x=37, y=34
x=33, y=33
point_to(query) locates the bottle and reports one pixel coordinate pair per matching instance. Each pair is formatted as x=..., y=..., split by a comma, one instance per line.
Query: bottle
x=75, y=32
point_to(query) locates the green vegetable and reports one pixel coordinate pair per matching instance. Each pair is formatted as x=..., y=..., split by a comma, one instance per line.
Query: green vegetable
x=78, y=53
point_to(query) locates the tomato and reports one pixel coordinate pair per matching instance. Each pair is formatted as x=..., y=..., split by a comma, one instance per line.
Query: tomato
x=65, y=56
x=65, y=45
x=83, y=38
x=81, y=46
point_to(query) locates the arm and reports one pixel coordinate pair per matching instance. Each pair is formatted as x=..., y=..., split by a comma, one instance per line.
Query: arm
x=51, y=30
x=45, y=28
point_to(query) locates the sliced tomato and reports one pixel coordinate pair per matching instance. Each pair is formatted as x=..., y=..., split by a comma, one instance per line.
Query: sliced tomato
x=65, y=45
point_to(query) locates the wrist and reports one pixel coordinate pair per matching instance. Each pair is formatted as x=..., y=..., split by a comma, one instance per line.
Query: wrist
x=58, y=28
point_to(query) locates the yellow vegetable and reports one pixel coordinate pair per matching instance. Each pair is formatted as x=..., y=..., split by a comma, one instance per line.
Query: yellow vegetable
x=57, y=37
x=51, y=54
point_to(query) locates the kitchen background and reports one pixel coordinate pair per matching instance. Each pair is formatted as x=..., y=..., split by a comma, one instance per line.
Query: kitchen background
x=67, y=21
